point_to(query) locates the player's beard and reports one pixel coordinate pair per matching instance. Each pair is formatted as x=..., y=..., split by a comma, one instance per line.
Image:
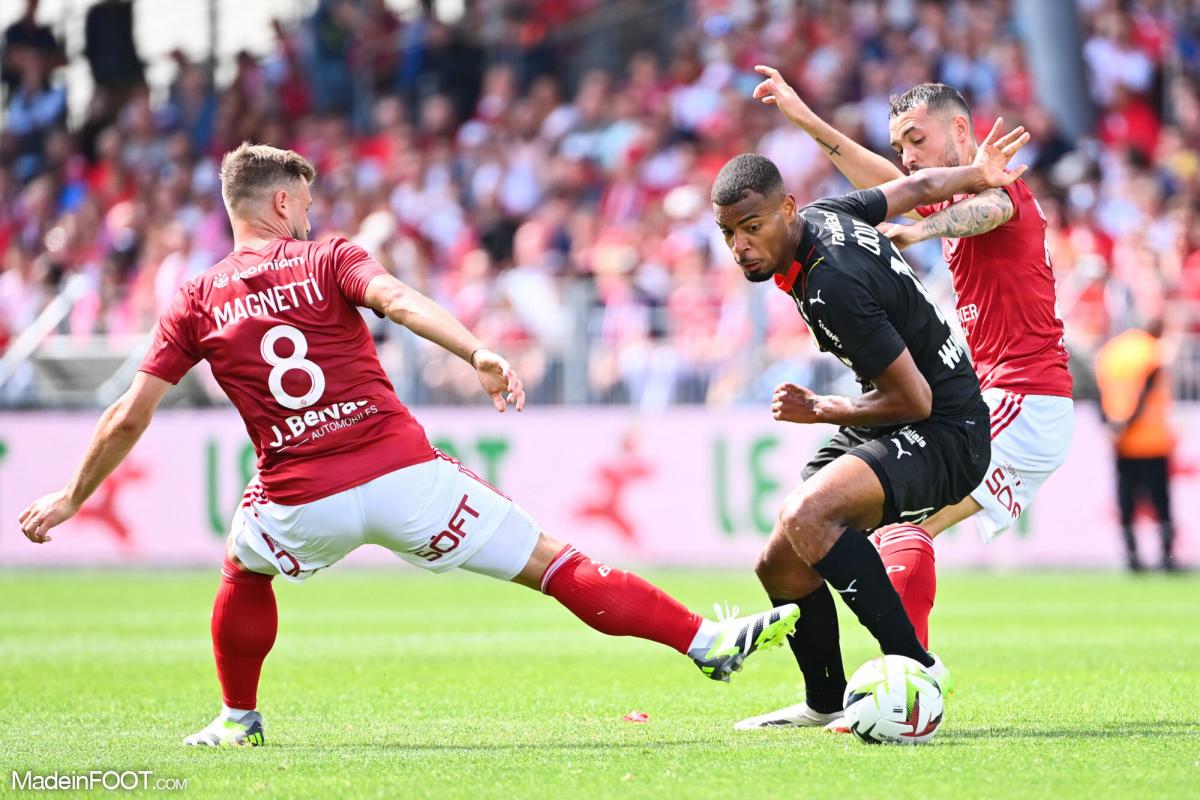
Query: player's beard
x=951, y=159
x=299, y=234
x=758, y=277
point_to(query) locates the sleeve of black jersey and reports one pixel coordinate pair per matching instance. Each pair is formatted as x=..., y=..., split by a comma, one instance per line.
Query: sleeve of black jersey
x=853, y=314
x=869, y=205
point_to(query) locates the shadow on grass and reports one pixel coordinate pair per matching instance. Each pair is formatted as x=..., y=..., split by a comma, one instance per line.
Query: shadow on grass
x=951, y=737
x=1160, y=729
x=492, y=746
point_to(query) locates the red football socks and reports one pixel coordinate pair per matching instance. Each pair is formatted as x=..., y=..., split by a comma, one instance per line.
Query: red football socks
x=618, y=603
x=907, y=552
x=244, y=623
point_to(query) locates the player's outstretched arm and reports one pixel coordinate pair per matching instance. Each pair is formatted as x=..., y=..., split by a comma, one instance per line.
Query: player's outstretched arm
x=901, y=395
x=936, y=184
x=861, y=166
x=970, y=216
x=121, y=425
x=406, y=306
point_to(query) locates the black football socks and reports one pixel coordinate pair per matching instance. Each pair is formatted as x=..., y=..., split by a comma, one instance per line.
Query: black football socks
x=1131, y=555
x=1166, y=533
x=817, y=648
x=853, y=568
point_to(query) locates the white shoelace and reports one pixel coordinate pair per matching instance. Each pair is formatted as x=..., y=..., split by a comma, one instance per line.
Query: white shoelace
x=725, y=612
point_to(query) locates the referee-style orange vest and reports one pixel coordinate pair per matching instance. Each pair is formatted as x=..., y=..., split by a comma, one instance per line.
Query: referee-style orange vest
x=1122, y=366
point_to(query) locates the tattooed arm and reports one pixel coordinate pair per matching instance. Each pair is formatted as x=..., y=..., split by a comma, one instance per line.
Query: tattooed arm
x=972, y=216
x=862, y=167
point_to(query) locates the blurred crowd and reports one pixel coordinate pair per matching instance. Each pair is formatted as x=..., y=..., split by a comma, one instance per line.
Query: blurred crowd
x=542, y=169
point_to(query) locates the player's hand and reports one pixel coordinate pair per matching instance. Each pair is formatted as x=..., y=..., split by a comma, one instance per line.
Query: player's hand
x=499, y=380
x=775, y=91
x=902, y=235
x=995, y=151
x=44, y=513
x=792, y=403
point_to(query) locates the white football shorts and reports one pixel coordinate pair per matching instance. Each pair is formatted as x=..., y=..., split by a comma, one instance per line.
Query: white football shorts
x=1030, y=437
x=437, y=515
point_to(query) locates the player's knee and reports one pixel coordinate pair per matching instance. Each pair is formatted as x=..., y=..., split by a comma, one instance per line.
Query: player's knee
x=810, y=523
x=800, y=512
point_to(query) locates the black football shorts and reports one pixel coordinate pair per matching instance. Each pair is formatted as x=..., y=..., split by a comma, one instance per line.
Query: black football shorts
x=923, y=466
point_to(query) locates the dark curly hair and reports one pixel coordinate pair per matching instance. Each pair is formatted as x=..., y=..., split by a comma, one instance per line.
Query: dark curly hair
x=748, y=172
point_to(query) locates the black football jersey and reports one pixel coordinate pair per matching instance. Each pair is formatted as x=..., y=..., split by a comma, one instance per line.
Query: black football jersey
x=864, y=304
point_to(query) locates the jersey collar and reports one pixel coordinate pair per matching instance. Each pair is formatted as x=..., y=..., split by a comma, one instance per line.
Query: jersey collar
x=786, y=282
x=796, y=270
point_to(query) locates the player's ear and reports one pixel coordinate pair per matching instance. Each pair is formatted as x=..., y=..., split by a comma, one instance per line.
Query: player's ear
x=788, y=206
x=962, y=128
x=279, y=201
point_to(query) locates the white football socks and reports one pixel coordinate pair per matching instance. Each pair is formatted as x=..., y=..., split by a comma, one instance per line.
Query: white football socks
x=234, y=714
x=704, y=638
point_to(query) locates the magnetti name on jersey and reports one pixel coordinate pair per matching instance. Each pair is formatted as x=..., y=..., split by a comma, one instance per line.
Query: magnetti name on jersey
x=271, y=300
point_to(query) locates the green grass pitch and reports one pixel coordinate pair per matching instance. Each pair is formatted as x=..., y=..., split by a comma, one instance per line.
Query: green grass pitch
x=396, y=684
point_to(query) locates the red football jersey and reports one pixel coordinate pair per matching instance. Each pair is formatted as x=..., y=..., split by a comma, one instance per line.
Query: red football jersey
x=282, y=332
x=1006, y=302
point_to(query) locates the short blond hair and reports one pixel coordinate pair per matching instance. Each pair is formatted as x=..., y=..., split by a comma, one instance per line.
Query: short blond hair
x=254, y=169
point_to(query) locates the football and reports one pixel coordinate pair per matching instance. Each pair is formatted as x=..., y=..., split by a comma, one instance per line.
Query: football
x=893, y=700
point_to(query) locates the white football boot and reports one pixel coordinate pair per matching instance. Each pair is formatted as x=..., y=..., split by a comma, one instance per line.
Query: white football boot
x=838, y=725
x=797, y=716
x=738, y=637
x=247, y=731
x=941, y=674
